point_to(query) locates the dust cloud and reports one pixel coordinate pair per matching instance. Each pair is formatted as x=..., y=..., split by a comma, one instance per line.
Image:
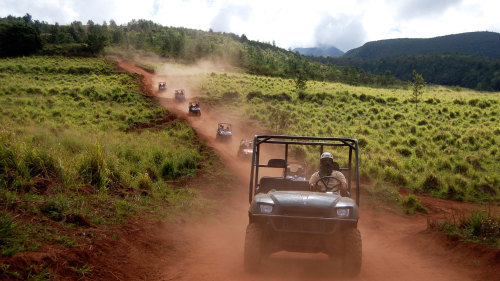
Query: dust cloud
x=394, y=247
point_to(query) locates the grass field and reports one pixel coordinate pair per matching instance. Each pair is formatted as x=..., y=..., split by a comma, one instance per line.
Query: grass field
x=446, y=145
x=80, y=145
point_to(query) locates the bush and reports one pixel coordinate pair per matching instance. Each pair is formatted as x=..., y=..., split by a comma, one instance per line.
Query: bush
x=255, y=94
x=41, y=164
x=230, y=95
x=431, y=182
x=54, y=208
x=412, y=205
x=404, y=151
x=145, y=181
x=183, y=163
x=96, y=171
x=10, y=235
x=479, y=226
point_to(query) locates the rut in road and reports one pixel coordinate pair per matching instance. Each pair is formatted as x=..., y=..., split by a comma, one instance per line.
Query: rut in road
x=395, y=247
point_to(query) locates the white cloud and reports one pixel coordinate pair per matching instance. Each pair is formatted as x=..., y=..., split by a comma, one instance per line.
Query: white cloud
x=346, y=24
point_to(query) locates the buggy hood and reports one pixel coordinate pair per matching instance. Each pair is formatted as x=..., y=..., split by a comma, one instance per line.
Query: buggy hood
x=304, y=198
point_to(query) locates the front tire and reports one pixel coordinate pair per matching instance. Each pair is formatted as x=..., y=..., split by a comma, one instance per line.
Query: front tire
x=351, y=262
x=253, y=247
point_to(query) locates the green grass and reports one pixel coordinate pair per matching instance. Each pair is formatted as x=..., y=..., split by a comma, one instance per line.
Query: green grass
x=446, y=147
x=479, y=226
x=72, y=145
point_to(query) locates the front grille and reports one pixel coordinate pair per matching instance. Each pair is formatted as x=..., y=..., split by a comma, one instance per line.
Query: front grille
x=306, y=212
x=303, y=225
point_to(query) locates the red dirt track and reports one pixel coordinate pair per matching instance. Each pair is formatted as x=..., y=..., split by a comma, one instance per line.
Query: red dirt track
x=395, y=247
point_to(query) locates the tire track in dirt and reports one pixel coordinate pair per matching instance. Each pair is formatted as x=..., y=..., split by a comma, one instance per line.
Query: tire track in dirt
x=394, y=247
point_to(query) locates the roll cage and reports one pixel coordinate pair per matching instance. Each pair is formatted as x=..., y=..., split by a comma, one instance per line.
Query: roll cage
x=322, y=142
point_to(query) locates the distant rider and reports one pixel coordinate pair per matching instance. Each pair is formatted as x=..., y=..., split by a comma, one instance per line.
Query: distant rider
x=326, y=168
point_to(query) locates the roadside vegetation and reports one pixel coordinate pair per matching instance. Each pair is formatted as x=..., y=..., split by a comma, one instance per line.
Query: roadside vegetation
x=479, y=226
x=446, y=147
x=81, y=147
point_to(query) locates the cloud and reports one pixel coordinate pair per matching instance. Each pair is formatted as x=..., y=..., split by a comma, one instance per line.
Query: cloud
x=342, y=32
x=411, y=9
x=225, y=19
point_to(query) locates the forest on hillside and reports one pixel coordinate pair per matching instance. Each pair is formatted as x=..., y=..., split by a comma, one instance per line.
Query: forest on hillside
x=473, y=72
x=24, y=36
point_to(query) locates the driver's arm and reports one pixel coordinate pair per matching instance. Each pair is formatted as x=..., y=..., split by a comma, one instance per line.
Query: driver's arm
x=343, y=182
x=312, y=181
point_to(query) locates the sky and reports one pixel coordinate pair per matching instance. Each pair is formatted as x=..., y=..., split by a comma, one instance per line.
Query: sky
x=345, y=24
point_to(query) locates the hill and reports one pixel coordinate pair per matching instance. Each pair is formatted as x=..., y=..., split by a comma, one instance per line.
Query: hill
x=472, y=43
x=175, y=43
x=320, y=52
x=474, y=72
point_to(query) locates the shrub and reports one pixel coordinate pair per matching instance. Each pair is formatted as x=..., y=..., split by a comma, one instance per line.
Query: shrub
x=55, y=208
x=11, y=236
x=479, y=226
x=8, y=165
x=422, y=122
x=394, y=176
x=398, y=116
x=230, y=95
x=95, y=170
x=144, y=181
x=41, y=164
x=412, y=205
x=461, y=168
x=362, y=142
x=412, y=142
x=184, y=162
x=404, y=151
x=255, y=94
x=431, y=182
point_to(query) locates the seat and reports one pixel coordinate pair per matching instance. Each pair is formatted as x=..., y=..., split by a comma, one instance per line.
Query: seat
x=281, y=184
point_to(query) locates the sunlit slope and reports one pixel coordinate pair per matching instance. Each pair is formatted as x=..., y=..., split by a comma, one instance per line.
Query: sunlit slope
x=445, y=145
x=78, y=139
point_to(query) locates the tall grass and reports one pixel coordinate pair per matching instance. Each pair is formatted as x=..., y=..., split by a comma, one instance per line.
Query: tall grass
x=446, y=148
x=478, y=226
x=70, y=153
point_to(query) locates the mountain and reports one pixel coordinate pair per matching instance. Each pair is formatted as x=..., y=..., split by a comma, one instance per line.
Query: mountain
x=472, y=43
x=320, y=52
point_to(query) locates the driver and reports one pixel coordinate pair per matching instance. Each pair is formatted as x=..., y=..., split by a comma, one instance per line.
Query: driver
x=326, y=168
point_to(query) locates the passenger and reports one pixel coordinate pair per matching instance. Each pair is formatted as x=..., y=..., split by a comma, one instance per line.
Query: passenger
x=326, y=168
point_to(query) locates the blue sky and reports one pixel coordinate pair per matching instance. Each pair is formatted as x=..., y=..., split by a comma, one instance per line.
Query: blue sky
x=345, y=24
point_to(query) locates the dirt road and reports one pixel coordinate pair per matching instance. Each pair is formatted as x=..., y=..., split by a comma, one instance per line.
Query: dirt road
x=395, y=247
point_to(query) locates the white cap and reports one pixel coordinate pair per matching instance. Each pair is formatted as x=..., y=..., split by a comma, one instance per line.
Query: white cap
x=326, y=155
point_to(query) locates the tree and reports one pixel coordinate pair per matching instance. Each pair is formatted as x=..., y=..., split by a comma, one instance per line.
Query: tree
x=300, y=81
x=418, y=85
x=18, y=39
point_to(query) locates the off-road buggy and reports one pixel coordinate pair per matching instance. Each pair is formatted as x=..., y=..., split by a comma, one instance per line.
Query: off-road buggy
x=224, y=132
x=285, y=215
x=295, y=170
x=162, y=86
x=179, y=96
x=245, y=150
x=194, y=109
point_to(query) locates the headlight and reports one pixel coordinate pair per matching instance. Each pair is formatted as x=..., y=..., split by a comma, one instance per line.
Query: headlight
x=342, y=212
x=266, y=209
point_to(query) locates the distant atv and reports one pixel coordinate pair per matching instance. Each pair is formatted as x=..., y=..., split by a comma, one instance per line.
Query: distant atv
x=162, y=86
x=285, y=215
x=245, y=150
x=295, y=170
x=179, y=96
x=224, y=132
x=194, y=109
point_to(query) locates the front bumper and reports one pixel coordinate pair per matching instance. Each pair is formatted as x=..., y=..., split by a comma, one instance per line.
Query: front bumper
x=298, y=224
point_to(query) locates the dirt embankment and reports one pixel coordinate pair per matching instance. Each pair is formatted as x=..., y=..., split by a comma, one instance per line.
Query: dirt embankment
x=395, y=247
